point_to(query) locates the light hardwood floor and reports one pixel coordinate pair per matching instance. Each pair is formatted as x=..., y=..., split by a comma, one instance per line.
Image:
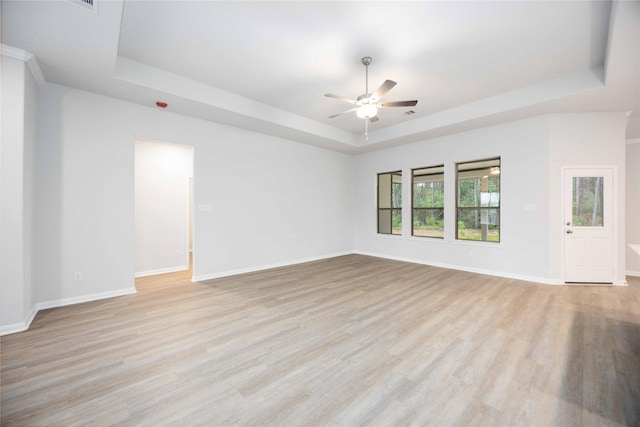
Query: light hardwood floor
x=348, y=341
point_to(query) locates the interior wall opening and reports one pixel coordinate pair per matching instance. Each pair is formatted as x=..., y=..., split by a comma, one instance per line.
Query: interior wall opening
x=163, y=208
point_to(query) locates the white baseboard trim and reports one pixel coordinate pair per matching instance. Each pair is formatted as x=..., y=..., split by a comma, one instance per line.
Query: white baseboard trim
x=161, y=271
x=633, y=273
x=23, y=326
x=84, y=298
x=20, y=326
x=204, y=277
x=541, y=280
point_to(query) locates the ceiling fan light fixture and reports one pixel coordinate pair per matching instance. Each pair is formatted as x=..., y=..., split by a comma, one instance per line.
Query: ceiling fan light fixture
x=367, y=111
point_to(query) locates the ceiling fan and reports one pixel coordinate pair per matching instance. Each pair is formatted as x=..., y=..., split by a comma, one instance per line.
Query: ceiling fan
x=366, y=105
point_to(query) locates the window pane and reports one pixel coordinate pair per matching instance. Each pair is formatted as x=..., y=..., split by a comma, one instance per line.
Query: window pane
x=479, y=191
x=396, y=195
x=384, y=190
x=428, y=222
x=428, y=201
x=587, y=201
x=396, y=217
x=384, y=221
x=390, y=203
x=478, y=200
x=479, y=224
x=428, y=194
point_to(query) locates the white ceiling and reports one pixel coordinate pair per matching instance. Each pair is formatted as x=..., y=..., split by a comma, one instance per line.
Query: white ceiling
x=265, y=66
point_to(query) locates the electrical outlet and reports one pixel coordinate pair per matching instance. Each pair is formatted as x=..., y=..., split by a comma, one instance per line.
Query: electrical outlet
x=77, y=276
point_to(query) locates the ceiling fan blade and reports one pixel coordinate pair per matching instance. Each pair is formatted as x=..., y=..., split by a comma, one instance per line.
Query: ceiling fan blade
x=344, y=112
x=341, y=98
x=397, y=104
x=382, y=90
x=374, y=119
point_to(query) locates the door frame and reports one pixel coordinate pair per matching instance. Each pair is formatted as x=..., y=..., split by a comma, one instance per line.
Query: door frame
x=614, y=214
x=189, y=209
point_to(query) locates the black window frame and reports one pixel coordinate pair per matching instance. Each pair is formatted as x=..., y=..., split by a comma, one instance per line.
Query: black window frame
x=430, y=171
x=491, y=166
x=391, y=209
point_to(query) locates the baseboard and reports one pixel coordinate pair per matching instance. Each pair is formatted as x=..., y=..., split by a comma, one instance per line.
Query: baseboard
x=228, y=273
x=85, y=298
x=23, y=326
x=161, y=271
x=20, y=326
x=633, y=273
x=541, y=280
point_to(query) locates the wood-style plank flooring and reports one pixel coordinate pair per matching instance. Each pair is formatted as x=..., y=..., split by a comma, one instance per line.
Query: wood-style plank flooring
x=348, y=341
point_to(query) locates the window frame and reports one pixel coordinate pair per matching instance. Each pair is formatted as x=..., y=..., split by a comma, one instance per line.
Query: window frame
x=479, y=208
x=391, y=208
x=441, y=171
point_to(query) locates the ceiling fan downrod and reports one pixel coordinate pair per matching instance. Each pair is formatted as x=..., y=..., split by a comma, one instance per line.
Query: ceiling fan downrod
x=366, y=61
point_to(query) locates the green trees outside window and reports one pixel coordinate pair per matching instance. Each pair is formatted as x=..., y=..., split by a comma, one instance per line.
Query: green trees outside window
x=587, y=201
x=428, y=202
x=478, y=200
x=390, y=202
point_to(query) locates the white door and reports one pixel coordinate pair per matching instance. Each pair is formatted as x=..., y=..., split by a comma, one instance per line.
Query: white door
x=588, y=225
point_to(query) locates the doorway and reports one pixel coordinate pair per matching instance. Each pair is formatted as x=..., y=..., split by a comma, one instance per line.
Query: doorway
x=589, y=253
x=163, y=198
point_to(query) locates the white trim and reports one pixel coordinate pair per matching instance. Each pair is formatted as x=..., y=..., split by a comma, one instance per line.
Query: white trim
x=480, y=243
x=540, y=280
x=389, y=236
x=85, y=298
x=20, y=326
x=14, y=52
x=633, y=273
x=438, y=240
x=23, y=326
x=266, y=267
x=161, y=271
x=27, y=58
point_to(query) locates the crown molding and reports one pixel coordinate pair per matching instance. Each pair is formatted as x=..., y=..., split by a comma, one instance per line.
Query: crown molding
x=27, y=58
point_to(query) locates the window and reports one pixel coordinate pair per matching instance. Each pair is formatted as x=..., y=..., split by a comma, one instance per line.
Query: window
x=587, y=201
x=428, y=202
x=390, y=203
x=478, y=200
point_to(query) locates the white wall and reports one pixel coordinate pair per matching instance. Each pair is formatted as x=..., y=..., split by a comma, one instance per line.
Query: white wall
x=162, y=175
x=533, y=152
x=19, y=112
x=273, y=201
x=522, y=252
x=632, y=249
x=586, y=139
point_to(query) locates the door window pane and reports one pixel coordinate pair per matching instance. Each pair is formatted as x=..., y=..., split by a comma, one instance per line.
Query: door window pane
x=587, y=201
